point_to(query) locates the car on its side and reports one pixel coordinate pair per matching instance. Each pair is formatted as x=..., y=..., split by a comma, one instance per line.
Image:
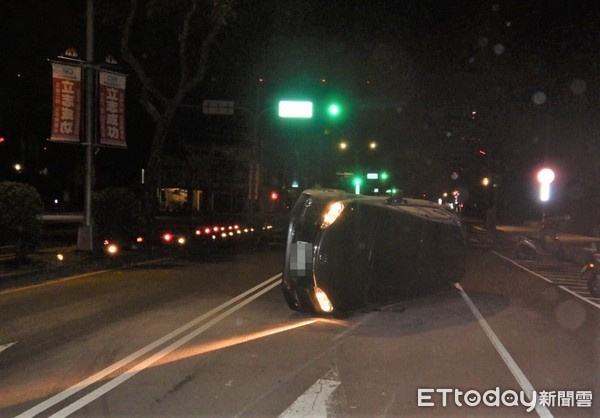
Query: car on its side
x=347, y=252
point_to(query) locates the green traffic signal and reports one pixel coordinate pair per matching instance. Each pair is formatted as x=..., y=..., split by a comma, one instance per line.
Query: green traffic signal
x=333, y=109
x=384, y=176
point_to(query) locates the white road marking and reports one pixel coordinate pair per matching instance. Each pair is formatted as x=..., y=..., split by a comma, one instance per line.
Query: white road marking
x=316, y=402
x=516, y=371
x=580, y=297
x=521, y=267
x=5, y=346
x=577, y=295
x=271, y=283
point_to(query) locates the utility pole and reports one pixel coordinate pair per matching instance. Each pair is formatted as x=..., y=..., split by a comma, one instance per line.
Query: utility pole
x=84, y=234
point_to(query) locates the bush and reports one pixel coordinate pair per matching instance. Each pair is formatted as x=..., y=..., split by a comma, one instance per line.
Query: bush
x=20, y=210
x=117, y=214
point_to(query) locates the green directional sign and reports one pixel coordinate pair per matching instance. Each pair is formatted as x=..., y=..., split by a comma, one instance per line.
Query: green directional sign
x=295, y=109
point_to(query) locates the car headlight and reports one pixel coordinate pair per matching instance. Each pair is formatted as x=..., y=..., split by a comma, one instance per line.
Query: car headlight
x=323, y=301
x=333, y=212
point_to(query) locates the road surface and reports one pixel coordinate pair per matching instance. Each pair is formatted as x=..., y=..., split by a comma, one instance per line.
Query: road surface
x=197, y=337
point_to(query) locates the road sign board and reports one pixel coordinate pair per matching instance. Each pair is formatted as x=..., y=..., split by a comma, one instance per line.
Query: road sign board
x=217, y=107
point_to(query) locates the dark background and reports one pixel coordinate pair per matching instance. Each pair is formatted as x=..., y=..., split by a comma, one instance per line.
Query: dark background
x=410, y=75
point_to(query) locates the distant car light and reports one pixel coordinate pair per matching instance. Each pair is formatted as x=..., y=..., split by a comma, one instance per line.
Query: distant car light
x=60, y=257
x=167, y=237
x=198, y=232
x=112, y=249
x=207, y=230
x=181, y=240
x=333, y=212
x=139, y=240
x=323, y=300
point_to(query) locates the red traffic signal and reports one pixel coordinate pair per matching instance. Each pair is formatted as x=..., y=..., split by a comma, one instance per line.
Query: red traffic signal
x=274, y=196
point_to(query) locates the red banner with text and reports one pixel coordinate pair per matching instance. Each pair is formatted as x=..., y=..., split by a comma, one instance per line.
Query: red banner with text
x=66, y=103
x=111, y=101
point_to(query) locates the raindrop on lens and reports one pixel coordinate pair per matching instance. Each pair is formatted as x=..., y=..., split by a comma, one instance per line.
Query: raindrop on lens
x=578, y=86
x=539, y=97
x=498, y=49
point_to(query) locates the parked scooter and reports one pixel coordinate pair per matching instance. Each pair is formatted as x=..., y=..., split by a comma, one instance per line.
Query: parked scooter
x=591, y=272
x=536, y=247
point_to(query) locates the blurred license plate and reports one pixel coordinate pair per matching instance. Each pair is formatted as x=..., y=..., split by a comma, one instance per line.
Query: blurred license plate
x=301, y=258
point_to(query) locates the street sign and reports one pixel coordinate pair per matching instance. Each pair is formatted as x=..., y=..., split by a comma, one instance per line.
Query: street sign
x=295, y=109
x=218, y=107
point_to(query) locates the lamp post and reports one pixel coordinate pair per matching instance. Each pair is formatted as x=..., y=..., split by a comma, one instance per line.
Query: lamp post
x=85, y=233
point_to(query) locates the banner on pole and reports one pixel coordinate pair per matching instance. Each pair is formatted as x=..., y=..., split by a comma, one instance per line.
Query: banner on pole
x=111, y=104
x=66, y=103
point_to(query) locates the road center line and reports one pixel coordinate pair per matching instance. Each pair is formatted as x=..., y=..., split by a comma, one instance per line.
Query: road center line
x=516, y=371
x=272, y=282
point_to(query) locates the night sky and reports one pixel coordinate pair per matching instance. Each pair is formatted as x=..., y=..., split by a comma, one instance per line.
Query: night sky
x=410, y=72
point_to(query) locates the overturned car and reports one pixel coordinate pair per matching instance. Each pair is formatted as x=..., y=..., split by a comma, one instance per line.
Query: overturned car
x=347, y=252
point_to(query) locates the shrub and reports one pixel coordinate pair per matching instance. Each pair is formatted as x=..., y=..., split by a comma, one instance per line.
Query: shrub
x=117, y=214
x=20, y=210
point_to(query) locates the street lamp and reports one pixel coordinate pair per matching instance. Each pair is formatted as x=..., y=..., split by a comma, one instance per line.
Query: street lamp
x=545, y=177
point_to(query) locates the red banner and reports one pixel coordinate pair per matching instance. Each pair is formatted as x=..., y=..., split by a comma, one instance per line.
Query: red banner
x=66, y=103
x=111, y=97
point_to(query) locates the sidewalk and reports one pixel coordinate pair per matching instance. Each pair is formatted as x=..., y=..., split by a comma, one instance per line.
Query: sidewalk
x=52, y=263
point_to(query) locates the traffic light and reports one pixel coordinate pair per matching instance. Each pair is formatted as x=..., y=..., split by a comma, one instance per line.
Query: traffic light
x=357, y=182
x=334, y=110
x=384, y=176
x=274, y=196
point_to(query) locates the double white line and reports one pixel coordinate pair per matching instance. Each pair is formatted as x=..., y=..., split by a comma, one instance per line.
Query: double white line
x=217, y=314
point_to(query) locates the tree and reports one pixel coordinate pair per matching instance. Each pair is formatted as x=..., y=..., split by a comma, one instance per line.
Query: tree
x=20, y=208
x=167, y=44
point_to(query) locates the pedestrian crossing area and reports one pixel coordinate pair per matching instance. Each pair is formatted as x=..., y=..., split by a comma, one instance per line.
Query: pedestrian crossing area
x=563, y=274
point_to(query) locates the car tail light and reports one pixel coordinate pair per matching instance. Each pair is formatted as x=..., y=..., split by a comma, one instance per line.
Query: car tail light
x=333, y=212
x=167, y=237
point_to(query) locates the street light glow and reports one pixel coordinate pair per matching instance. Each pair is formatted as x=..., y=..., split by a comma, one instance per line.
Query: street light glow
x=545, y=176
